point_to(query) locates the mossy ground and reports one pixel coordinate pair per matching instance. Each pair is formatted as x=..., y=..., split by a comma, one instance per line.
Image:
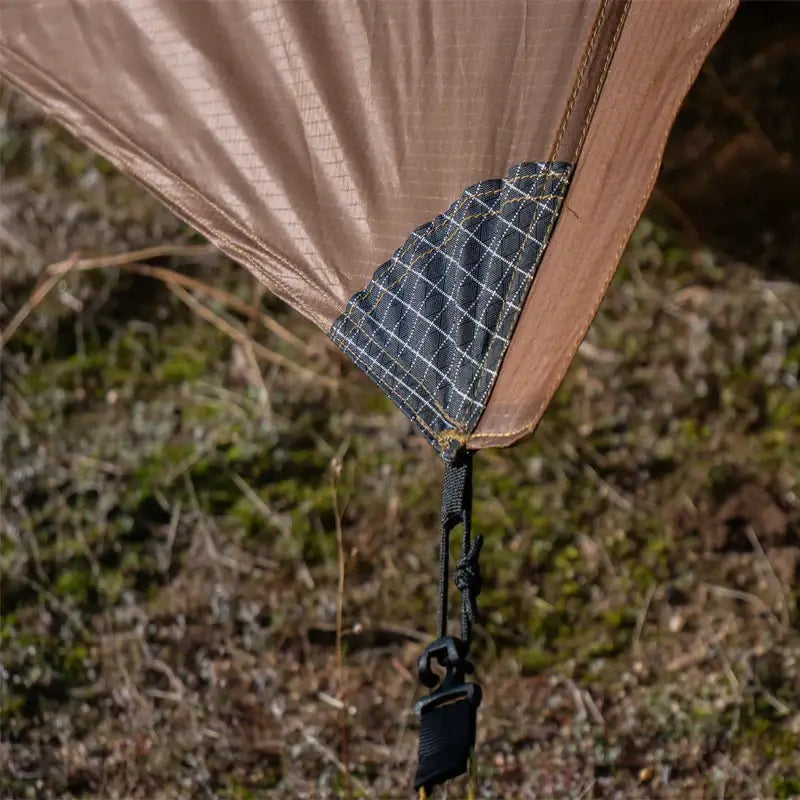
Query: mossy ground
x=168, y=550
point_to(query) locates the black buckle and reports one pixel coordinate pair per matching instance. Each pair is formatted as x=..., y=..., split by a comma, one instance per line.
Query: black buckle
x=450, y=653
x=447, y=715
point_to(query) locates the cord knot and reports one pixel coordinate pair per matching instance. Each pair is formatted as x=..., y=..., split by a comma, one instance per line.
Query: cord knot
x=467, y=577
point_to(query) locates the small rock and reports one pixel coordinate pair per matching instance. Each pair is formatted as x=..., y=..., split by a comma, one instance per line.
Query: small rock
x=676, y=623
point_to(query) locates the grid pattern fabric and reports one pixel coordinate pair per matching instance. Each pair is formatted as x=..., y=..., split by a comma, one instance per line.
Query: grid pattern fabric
x=432, y=326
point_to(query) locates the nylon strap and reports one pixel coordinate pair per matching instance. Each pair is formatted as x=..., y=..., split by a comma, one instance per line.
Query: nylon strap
x=457, y=510
x=448, y=714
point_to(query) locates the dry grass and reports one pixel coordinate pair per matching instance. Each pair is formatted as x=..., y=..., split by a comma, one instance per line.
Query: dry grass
x=192, y=609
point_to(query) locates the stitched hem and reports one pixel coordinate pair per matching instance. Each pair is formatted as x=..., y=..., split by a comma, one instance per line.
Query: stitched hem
x=432, y=326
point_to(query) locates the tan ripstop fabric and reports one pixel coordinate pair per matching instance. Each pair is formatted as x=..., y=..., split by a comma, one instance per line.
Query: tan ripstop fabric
x=616, y=172
x=307, y=139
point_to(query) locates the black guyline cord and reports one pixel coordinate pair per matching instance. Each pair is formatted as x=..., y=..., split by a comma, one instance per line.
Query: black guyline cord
x=457, y=510
x=448, y=714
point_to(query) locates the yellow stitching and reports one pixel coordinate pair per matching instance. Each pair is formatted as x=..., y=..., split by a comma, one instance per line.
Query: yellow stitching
x=545, y=240
x=530, y=197
x=409, y=243
x=601, y=80
x=406, y=370
x=493, y=212
x=582, y=72
x=403, y=250
x=381, y=382
x=481, y=368
x=445, y=437
x=579, y=78
x=445, y=220
x=554, y=384
x=385, y=290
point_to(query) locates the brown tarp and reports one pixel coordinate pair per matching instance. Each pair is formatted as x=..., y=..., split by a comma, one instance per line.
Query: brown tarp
x=307, y=139
x=660, y=51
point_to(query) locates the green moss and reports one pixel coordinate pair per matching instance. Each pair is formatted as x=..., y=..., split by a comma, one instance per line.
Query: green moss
x=11, y=705
x=568, y=558
x=74, y=583
x=534, y=662
x=786, y=787
x=183, y=364
x=73, y=662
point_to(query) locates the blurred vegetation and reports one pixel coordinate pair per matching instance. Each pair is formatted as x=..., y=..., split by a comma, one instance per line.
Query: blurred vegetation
x=168, y=557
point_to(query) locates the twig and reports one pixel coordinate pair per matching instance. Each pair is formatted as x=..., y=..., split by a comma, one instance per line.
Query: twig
x=283, y=524
x=231, y=300
x=128, y=257
x=240, y=336
x=745, y=597
x=726, y=664
x=777, y=704
x=256, y=379
x=684, y=219
x=611, y=492
x=594, y=711
x=55, y=271
x=58, y=605
x=756, y=545
x=586, y=789
x=183, y=466
x=744, y=113
x=336, y=471
x=42, y=289
x=172, y=532
x=178, y=686
x=401, y=631
x=330, y=756
x=29, y=538
x=334, y=702
x=131, y=262
x=255, y=304
x=280, y=521
x=700, y=655
x=211, y=550
x=642, y=618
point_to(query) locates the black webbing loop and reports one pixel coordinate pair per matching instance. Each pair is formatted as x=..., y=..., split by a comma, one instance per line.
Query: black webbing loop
x=457, y=510
x=448, y=714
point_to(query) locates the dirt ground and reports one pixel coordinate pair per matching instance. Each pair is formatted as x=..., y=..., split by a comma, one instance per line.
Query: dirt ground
x=170, y=498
